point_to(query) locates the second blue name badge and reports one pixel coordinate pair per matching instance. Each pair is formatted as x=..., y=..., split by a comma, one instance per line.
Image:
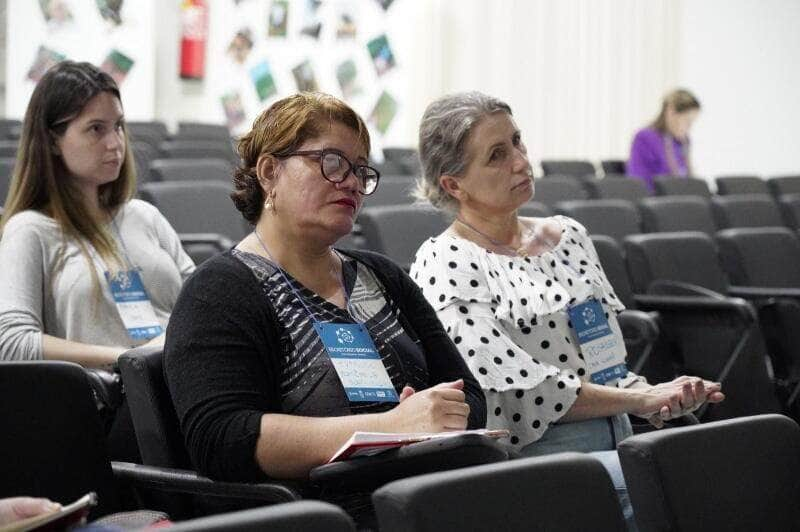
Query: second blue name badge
x=133, y=305
x=357, y=362
x=602, y=350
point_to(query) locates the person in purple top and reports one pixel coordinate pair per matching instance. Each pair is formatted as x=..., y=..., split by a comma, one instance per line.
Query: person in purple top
x=662, y=148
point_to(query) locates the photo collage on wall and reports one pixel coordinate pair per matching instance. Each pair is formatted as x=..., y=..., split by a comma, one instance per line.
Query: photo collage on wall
x=59, y=17
x=275, y=48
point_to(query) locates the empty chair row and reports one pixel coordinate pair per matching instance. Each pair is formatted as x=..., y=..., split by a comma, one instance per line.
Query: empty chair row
x=581, y=168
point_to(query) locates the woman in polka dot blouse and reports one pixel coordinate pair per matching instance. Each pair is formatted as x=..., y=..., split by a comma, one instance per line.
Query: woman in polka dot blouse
x=504, y=288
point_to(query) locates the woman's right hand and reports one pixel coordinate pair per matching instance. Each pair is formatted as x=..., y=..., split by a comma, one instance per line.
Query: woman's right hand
x=436, y=409
x=669, y=400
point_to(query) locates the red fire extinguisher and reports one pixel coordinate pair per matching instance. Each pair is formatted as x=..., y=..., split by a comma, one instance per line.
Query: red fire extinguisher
x=194, y=29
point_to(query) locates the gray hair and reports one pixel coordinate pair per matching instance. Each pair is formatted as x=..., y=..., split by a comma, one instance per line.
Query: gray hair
x=443, y=132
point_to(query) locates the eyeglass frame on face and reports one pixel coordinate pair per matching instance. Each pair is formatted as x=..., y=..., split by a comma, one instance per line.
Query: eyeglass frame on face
x=320, y=154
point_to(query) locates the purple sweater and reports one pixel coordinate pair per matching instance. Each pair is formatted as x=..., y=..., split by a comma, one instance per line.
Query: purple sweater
x=649, y=158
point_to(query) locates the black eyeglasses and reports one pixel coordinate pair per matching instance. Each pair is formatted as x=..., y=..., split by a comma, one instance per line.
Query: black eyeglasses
x=336, y=167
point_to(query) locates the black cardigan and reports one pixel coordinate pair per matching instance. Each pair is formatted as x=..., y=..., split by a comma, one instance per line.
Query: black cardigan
x=221, y=359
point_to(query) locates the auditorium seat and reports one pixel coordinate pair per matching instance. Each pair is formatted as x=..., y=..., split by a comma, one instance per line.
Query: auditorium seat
x=613, y=166
x=612, y=217
x=10, y=128
x=8, y=148
x=143, y=154
x=197, y=207
x=712, y=335
x=305, y=516
x=397, y=231
x=681, y=186
x=392, y=190
x=551, y=190
x=204, y=169
x=746, y=210
x=202, y=131
x=199, y=148
x=521, y=495
x=790, y=208
x=617, y=188
x=566, y=167
x=734, y=475
x=745, y=184
x=151, y=132
x=787, y=184
x=6, y=174
x=677, y=213
x=534, y=209
x=405, y=158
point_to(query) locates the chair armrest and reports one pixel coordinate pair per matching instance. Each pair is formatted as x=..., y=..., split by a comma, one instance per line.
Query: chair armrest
x=762, y=292
x=162, y=479
x=371, y=472
x=666, y=287
x=739, y=308
x=220, y=241
x=638, y=325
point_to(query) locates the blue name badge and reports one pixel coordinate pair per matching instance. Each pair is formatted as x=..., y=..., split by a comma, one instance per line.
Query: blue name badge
x=602, y=350
x=134, y=305
x=357, y=362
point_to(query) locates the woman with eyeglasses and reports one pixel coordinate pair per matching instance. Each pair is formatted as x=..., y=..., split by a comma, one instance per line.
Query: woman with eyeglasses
x=258, y=352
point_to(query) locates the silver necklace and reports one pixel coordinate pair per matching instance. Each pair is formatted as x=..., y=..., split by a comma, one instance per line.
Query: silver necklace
x=520, y=251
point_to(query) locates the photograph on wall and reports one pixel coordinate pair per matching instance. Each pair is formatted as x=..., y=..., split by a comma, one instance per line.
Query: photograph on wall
x=312, y=25
x=45, y=58
x=381, y=54
x=234, y=111
x=346, y=75
x=240, y=45
x=278, y=17
x=110, y=10
x=56, y=12
x=304, y=77
x=346, y=26
x=263, y=80
x=117, y=65
x=383, y=113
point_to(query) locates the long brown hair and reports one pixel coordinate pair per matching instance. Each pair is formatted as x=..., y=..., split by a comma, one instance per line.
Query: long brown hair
x=41, y=181
x=680, y=100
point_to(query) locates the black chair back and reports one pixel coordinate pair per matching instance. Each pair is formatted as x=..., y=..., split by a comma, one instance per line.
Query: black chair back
x=613, y=166
x=681, y=186
x=308, y=516
x=617, y=188
x=737, y=475
x=663, y=214
x=744, y=184
x=786, y=184
x=54, y=445
x=203, y=169
x=610, y=217
x=551, y=190
x=572, y=168
x=519, y=495
x=746, y=210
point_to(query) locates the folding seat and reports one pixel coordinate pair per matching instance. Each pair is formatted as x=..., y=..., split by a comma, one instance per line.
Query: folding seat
x=735, y=475
x=199, y=148
x=143, y=154
x=201, y=212
x=551, y=190
x=202, y=131
x=162, y=444
x=405, y=158
x=535, y=209
x=6, y=174
x=392, y=190
x=10, y=128
x=612, y=217
x=763, y=267
x=745, y=184
x=746, y=210
x=191, y=170
x=308, y=516
x=710, y=334
x=787, y=184
x=397, y=231
x=527, y=494
x=152, y=132
x=681, y=186
x=391, y=168
x=617, y=188
x=677, y=213
x=790, y=208
x=56, y=448
x=613, y=166
x=566, y=167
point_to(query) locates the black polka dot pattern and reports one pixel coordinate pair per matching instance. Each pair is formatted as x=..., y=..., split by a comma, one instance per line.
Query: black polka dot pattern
x=507, y=317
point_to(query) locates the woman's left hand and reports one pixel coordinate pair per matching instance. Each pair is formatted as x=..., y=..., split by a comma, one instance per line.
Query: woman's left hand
x=691, y=392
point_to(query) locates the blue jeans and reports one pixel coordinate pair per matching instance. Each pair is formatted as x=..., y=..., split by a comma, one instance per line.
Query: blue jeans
x=599, y=437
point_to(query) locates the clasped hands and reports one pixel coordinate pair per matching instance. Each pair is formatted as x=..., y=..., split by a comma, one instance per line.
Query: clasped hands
x=676, y=398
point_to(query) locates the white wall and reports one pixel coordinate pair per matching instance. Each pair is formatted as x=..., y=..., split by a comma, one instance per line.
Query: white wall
x=742, y=59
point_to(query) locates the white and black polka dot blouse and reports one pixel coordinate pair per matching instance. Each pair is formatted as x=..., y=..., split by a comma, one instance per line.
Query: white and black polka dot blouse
x=507, y=315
